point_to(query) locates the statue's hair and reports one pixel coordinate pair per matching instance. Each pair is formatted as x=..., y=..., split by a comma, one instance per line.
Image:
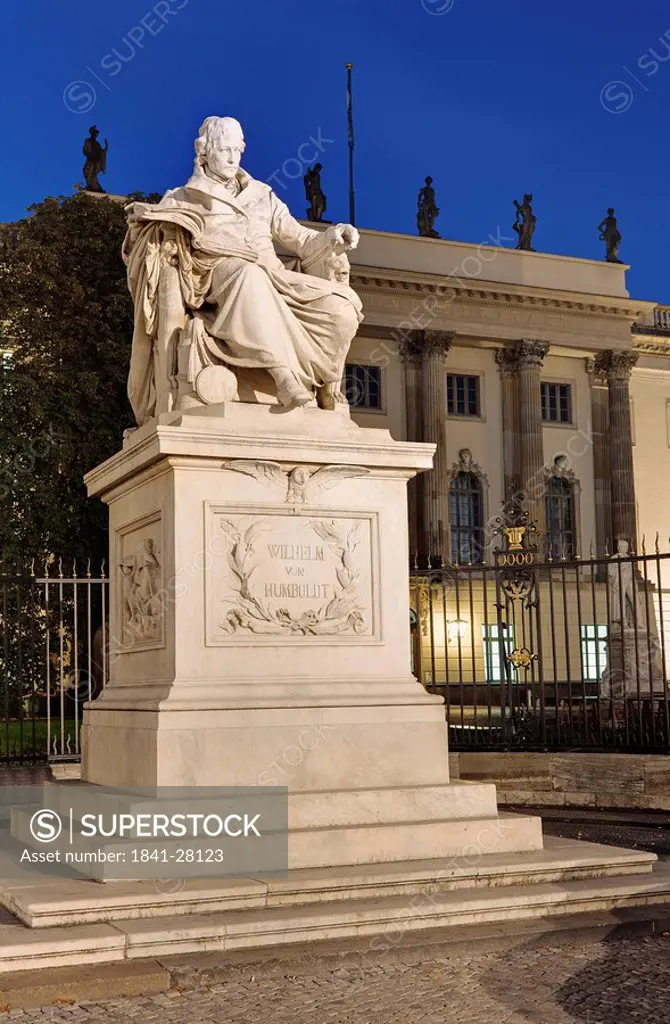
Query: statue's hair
x=211, y=129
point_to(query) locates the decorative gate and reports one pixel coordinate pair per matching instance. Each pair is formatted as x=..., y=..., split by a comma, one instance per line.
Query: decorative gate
x=546, y=654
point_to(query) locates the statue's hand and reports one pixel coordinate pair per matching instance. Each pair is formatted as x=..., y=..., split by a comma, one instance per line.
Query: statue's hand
x=342, y=237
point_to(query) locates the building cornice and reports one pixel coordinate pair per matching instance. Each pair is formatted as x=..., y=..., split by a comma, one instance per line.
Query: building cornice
x=371, y=280
x=647, y=347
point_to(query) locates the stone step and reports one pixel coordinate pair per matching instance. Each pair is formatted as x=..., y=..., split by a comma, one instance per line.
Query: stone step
x=26, y=949
x=316, y=847
x=52, y=902
x=274, y=926
x=344, y=807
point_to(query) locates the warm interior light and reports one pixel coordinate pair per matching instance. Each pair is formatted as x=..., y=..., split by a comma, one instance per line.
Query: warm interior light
x=456, y=629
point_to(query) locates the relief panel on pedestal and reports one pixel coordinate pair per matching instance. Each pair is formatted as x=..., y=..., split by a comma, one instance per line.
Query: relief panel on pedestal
x=275, y=576
x=140, y=591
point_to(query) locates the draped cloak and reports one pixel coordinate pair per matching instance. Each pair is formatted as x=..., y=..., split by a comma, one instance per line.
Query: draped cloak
x=254, y=311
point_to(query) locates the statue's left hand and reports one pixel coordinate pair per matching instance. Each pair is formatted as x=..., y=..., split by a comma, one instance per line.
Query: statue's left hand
x=342, y=237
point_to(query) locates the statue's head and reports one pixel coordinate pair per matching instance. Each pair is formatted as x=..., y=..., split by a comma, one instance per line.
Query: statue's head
x=622, y=546
x=611, y=211
x=429, y=180
x=93, y=132
x=465, y=459
x=219, y=147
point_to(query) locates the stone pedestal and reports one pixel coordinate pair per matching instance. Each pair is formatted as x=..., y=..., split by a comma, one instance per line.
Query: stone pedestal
x=259, y=624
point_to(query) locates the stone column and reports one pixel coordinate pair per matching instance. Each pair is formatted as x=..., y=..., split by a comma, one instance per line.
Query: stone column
x=410, y=354
x=601, y=455
x=507, y=365
x=434, y=348
x=529, y=357
x=624, y=526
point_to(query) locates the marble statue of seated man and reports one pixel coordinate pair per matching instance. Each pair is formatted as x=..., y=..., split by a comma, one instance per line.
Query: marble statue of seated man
x=244, y=307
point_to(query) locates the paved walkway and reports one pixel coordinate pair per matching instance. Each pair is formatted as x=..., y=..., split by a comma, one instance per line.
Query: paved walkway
x=619, y=982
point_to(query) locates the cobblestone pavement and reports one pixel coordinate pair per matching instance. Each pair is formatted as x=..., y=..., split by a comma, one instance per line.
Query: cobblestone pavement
x=623, y=981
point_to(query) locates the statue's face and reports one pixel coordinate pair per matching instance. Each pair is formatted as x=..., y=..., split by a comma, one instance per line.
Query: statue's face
x=223, y=157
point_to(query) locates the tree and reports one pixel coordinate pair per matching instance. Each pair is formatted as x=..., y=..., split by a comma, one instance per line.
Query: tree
x=66, y=318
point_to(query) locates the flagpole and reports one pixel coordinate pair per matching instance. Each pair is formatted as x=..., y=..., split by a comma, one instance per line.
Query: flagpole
x=350, y=120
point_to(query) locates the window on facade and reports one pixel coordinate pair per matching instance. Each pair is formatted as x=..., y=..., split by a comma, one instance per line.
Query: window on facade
x=363, y=386
x=498, y=642
x=556, y=403
x=594, y=651
x=466, y=518
x=560, y=509
x=462, y=395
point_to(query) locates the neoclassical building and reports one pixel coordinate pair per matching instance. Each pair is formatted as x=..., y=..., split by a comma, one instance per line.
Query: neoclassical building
x=532, y=373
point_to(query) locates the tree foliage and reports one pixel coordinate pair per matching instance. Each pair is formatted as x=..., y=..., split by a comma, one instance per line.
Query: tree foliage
x=66, y=316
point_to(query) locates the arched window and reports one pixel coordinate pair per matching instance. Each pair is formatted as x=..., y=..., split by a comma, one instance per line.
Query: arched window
x=560, y=510
x=466, y=516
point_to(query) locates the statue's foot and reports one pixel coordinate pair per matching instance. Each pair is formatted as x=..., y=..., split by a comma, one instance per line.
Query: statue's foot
x=290, y=392
x=329, y=396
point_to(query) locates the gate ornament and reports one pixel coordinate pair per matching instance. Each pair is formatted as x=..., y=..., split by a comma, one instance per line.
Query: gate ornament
x=518, y=554
x=521, y=658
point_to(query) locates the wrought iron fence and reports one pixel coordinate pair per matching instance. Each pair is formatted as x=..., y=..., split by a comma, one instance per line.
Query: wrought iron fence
x=53, y=658
x=547, y=654
x=528, y=654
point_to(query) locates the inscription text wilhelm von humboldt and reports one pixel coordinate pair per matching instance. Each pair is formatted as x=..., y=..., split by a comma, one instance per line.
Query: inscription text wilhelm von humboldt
x=297, y=553
x=280, y=586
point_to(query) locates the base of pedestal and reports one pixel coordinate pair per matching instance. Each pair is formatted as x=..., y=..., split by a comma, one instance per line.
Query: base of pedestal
x=366, y=784
x=635, y=667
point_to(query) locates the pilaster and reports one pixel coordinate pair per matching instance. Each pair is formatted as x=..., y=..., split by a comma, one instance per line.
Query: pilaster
x=601, y=455
x=618, y=366
x=434, y=348
x=523, y=361
x=410, y=354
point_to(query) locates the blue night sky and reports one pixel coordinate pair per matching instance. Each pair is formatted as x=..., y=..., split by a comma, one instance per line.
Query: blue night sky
x=569, y=101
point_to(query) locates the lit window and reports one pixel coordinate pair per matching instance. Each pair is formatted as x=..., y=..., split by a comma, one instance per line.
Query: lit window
x=556, y=403
x=594, y=651
x=363, y=386
x=462, y=395
x=498, y=641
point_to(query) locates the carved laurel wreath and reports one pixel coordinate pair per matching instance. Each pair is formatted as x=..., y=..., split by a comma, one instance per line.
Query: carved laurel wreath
x=342, y=614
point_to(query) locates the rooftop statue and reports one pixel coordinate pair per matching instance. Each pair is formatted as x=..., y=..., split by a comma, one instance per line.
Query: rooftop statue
x=525, y=223
x=427, y=211
x=213, y=301
x=96, y=160
x=314, y=193
x=611, y=236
